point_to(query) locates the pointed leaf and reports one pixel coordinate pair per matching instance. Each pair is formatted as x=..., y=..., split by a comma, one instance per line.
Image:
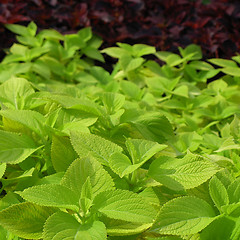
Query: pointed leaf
x=89, y=144
x=218, y=192
x=26, y=220
x=94, y=231
x=80, y=170
x=14, y=91
x=62, y=153
x=30, y=119
x=142, y=150
x=52, y=195
x=60, y=223
x=184, y=216
x=178, y=174
x=234, y=191
x=124, y=205
x=14, y=148
x=121, y=164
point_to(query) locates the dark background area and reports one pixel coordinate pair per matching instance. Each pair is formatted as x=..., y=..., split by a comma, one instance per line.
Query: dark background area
x=166, y=24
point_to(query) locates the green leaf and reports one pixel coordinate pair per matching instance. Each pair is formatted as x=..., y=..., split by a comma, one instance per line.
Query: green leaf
x=115, y=52
x=13, y=93
x=80, y=170
x=178, y=174
x=223, y=62
x=30, y=119
x=50, y=34
x=218, y=192
x=129, y=64
x=232, y=71
x=124, y=228
x=236, y=231
x=2, y=169
x=142, y=150
x=221, y=228
x=62, y=153
x=85, y=34
x=184, y=216
x=153, y=126
x=15, y=148
x=51, y=195
x=142, y=49
x=121, y=164
x=124, y=205
x=234, y=191
x=26, y=220
x=191, y=52
x=89, y=144
x=19, y=29
x=113, y=101
x=60, y=223
x=93, y=53
x=92, y=231
x=86, y=197
x=131, y=89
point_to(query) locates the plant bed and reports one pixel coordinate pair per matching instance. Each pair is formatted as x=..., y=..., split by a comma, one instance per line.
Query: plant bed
x=146, y=151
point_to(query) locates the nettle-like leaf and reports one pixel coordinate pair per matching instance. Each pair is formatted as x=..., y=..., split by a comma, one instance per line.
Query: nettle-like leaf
x=184, y=216
x=51, y=195
x=14, y=148
x=26, y=220
x=30, y=119
x=82, y=169
x=62, y=153
x=123, y=228
x=218, y=192
x=234, y=191
x=89, y=144
x=14, y=92
x=121, y=164
x=113, y=101
x=142, y=150
x=124, y=205
x=60, y=223
x=64, y=226
x=178, y=174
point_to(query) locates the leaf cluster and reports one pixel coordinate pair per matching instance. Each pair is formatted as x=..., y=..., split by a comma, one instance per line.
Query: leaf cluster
x=146, y=151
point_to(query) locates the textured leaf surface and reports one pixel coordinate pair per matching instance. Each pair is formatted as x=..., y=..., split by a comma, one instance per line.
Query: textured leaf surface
x=30, y=119
x=80, y=170
x=52, y=195
x=234, y=191
x=14, y=91
x=15, y=148
x=124, y=205
x=93, y=231
x=185, y=173
x=86, y=143
x=60, y=223
x=141, y=150
x=218, y=192
x=184, y=216
x=25, y=219
x=121, y=164
x=122, y=228
x=62, y=153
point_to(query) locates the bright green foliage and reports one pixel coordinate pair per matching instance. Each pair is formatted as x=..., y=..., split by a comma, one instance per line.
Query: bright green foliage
x=29, y=221
x=184, y=216
x=178, y=174
x=146, y=151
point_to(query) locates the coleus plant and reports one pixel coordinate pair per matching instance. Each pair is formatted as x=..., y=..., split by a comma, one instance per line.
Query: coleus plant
x=146, y=151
